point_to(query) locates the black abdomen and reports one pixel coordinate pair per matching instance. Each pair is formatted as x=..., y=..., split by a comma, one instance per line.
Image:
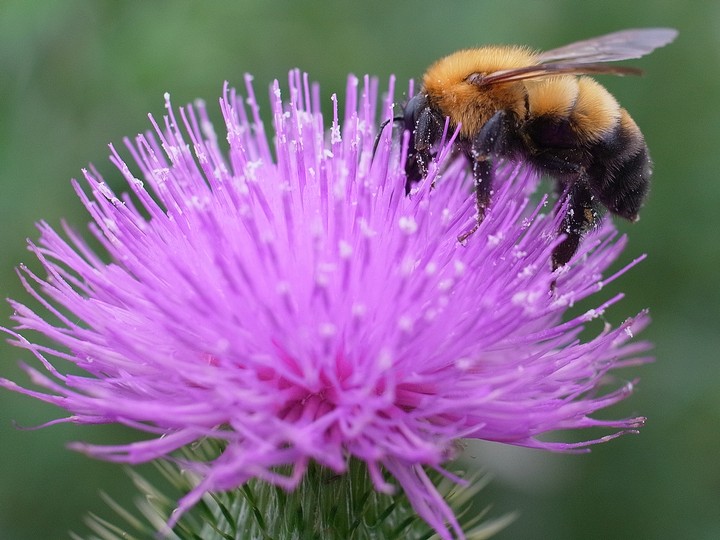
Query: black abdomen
x=620, y=169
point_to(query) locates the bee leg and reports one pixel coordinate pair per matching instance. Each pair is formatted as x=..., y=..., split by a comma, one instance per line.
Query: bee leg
x=581, y=215
x=482, y=182
x=495, y=138
x=492, y=140
x=482, y=176
x=426, y=128
x=419, y=152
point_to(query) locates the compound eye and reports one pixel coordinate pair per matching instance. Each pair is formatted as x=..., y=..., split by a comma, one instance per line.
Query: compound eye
x=476, y=79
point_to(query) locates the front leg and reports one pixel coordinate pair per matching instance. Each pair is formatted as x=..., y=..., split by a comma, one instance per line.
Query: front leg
x=495, y=139
x=426, y=127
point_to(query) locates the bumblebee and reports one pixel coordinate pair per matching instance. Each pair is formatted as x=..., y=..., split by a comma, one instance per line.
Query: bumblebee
x=540, y=108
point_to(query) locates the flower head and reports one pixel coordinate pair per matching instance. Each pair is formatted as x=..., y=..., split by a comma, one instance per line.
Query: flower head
x=288, y=298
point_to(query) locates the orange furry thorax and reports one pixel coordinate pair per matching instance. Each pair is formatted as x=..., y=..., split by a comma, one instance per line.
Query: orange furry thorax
x=445, y=83
x=591, y=108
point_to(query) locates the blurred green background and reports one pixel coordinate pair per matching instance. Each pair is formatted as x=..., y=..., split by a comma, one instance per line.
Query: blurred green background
x=76, y=75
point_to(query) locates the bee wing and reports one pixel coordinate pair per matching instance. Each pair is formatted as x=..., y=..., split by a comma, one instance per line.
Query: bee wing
x=623, y=45
x=588, y=56
x=548, y=70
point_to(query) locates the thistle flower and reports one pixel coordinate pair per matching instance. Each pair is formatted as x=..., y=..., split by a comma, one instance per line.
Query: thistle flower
x=288, y=299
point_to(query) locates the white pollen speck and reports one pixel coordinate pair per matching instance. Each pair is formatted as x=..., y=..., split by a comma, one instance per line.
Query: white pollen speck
x=526, y=299
x=207, y=127
x=463, y=364
x=335, y=134
x=267, y=237
x=591, y=314
x=446, y=284
x=359, y=310
x=405, y=323
x=445, y=216
x=218, y=173
x=323, y=272
x=431, y=268
x=161, y=174
x=251, y=167
x=345, y=248
x=365, y=229
x=408, y=265
x=105, y=190
x=282, y=287
x=326, y=267
x=339, y=190
x=175, y=153
x=198, y=202
x=527, y=271
x=408, y=225
x=459, y=268
x=494, y=239
x=385, y=359
x=111, y=225
x=327, y=329
x=166, y=95
x=629, y=332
